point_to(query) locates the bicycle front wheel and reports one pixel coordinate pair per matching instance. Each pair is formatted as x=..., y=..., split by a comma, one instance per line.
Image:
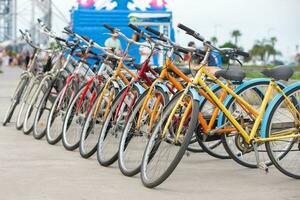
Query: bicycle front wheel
x=19, y=91
x=94, y=122
x=167, y=143
x=108, y=144
x=136, y=133
x=57, y=113
x=33, y=106
x=42, y=114
x=30, y=91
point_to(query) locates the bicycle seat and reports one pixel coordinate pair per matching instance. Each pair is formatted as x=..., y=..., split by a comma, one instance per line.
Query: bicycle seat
x=281, y=72
x=184, y=70
x=231, y=74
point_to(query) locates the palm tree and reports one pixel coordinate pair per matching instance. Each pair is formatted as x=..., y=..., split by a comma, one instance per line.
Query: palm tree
x=273, y=41
x=214, y=40
x=236, y=34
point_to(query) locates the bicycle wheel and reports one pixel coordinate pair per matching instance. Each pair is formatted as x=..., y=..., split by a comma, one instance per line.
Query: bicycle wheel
x=108, y=143
x=93, y=125
x=235, y=145
x=57, y=113
x=166, y=145
x=284, y=153
x=33, y=105
x=43, y=111
x=74, y=120
x=27, y=98
x=134, y=139
x=19, y=91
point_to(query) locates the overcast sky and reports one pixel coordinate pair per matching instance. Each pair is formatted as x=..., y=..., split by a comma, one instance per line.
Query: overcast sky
x=256, y=19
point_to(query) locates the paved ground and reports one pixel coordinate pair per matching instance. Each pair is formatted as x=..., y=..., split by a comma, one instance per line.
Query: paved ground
x=33, y=170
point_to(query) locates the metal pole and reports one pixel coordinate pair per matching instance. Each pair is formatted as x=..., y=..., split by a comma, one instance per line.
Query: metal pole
x=50, y=14
x=33, y=19
x=14, y=25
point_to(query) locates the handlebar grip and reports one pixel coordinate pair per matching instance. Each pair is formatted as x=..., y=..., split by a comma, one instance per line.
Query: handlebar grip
x=68, y=30
x=191, y=32
x=60, y=39
x=109, y=27
x=155, y=32
x=39, y=20
x=135, y=28
x=242, y=53
x=182, y=50
x=21, y=32
x=186, y=29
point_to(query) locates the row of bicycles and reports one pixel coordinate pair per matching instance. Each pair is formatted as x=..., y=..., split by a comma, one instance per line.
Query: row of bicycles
x=147, y=118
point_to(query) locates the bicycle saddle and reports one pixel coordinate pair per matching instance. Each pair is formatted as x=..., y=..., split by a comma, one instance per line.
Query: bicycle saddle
x=281, y=72
x=231, y=74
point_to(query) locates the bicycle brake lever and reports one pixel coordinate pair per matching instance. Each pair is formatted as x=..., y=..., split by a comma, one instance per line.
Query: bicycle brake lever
x=239, y=62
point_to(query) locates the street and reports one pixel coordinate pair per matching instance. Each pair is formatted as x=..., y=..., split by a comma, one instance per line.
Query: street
x=32, y=170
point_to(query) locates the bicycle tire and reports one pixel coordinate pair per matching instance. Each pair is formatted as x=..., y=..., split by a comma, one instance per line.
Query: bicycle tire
x=70, y=143
x=284, y=150
x=108, y=143
x=32, y=108
x=155, y=143
x=133, y=141
x=21, y=87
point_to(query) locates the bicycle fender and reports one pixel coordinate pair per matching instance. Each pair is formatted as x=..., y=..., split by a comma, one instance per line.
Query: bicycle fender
x=195, y=94
x=162, y=86
x=139, y=87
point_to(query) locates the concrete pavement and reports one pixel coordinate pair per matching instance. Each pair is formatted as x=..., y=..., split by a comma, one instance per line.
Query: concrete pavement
x=33, y=170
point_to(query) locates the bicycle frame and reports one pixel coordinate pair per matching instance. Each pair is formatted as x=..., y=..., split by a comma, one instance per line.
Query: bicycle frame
x=118, y=75
x=141, y=76
x=166, y=75
x=258, y=115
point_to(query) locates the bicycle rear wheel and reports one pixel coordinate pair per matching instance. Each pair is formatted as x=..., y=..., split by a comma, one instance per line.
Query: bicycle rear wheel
x=165, y=149
x=235, y=145
x=285, y=153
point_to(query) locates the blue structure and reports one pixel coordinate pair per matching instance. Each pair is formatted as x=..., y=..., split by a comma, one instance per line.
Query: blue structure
x=87, y=20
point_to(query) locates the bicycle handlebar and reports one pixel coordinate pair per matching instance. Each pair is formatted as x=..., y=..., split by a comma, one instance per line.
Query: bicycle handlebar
x=242, y=53
x=191, y=32
x=196, y=35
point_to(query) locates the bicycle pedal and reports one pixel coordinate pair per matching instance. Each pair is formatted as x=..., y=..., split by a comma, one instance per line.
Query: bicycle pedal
x=264, y=167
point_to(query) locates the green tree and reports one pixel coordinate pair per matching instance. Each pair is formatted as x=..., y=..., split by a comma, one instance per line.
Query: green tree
x=273, y=41
x=236, y=34
x=214, y=40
